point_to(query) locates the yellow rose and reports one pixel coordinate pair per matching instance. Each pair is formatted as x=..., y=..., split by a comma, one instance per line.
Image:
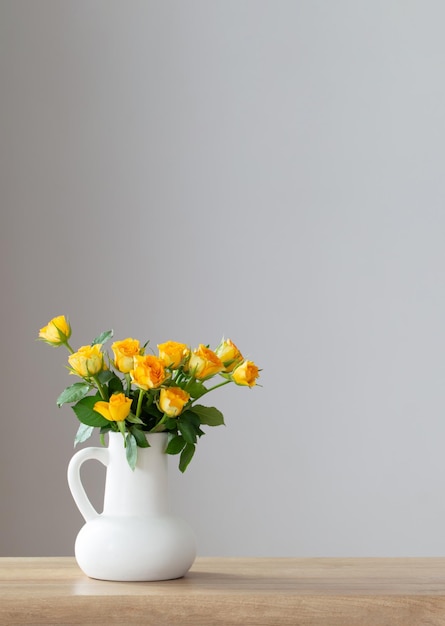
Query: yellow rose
x=87, y=361
x=124, y=353
x=116, y=410
x=229, y=354
x=204, y=363
x=56, y=332
x=172, y=400
x=246, y=374
x=148, y=372
x=172, y=353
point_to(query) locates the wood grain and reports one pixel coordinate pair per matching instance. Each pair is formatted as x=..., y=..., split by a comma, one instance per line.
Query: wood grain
x=230, y=591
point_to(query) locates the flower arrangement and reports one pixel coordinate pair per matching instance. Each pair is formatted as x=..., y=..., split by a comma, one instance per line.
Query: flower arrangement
x=135, y=392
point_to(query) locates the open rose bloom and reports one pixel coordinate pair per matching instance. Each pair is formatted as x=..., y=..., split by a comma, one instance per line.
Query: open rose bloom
x=137, y=392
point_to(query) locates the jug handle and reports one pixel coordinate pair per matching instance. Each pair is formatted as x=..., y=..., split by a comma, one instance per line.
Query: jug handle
x=75, y=483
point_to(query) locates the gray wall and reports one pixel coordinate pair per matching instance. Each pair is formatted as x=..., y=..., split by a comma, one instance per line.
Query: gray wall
x=268, y=170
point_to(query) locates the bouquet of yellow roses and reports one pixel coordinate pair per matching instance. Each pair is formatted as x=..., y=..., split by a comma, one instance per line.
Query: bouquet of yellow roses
x=135, y=392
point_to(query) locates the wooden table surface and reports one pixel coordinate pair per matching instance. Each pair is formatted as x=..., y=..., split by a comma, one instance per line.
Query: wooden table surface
x=229, y=591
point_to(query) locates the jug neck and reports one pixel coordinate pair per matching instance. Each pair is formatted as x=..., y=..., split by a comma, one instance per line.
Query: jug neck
x=142, y=491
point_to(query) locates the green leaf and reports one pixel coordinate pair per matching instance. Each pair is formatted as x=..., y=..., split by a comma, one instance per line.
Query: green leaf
x=188, y=430
x=171, y=424
x=84, y=432
x=186, y=456
x=144, y=346
x=85, y=413
x=175, y=445
x=134, y=420
x=73, y=393
x=140, y=437
x=103, y=337
x=131, y=450
x=115, y=385
x=208, y=415
x=105, y=375
x=192, y=418
x=196, y=389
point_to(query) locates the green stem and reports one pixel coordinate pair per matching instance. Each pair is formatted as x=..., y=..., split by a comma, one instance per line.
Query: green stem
x=69, y=347
x=128, y=379
x=226, y=382
x=160, y=425
x=139, y=406
x=178, y=376
x=101, y=388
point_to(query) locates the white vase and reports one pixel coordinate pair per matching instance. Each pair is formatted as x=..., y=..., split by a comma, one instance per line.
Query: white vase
x=136, y=537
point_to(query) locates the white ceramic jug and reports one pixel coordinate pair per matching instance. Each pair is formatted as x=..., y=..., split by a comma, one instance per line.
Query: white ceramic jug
x=135, y=538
